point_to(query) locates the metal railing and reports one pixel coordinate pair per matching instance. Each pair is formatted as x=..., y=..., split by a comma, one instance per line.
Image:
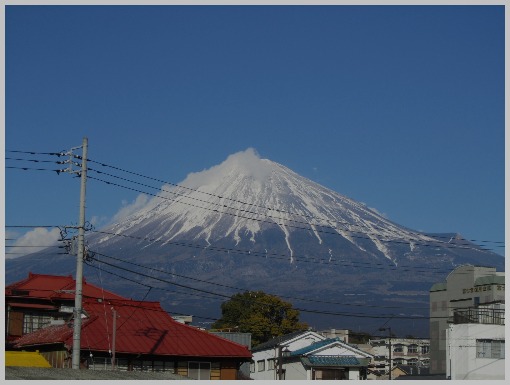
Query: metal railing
x=479, y=316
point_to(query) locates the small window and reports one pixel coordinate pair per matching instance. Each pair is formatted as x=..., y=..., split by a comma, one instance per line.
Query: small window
x=412, y=349
x=199, y=370
x=261, y=365
x=425, y=349
x=271, y=364
x=398, y=348
x=486, y=348
x=252, y=367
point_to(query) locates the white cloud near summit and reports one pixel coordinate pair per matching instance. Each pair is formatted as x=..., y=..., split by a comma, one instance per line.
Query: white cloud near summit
x=247, y=162
x=130, y=208
x=33, y=241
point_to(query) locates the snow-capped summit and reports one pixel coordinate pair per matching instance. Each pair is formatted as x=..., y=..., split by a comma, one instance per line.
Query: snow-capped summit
x=245, y=195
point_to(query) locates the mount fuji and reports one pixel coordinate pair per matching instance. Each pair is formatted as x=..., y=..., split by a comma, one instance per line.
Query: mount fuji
x=253, y=224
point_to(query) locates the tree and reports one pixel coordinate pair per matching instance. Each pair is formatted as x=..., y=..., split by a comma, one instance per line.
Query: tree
x=359, y=338
x=263, y=315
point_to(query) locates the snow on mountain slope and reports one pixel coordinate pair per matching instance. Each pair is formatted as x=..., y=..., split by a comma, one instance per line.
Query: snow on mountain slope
x=245, y=194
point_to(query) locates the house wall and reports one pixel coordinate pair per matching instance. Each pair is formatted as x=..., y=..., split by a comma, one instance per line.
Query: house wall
x=463, y=362
x=296, y=371
x=294, y=368
x=269, y=355
x=268, y=371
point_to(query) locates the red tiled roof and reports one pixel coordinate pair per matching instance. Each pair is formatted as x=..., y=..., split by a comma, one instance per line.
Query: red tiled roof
x=142, y=328
x=33, y=305
x=50, y=287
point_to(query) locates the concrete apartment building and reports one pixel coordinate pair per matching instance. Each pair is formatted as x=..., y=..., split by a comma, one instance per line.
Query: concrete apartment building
x=458, y=304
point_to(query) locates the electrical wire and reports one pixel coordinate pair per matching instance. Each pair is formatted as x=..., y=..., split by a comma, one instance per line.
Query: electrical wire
x=312, y=228
x=244, y=289
x=358, y=315
x=250, y=204
x=285, y=257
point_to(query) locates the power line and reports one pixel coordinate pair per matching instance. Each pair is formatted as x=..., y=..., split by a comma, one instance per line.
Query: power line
x=244, y=289
x=357, y=315
x=312, y=228
x=31, y=226
x=250, y=204
x=327, y=260
x=409, y=240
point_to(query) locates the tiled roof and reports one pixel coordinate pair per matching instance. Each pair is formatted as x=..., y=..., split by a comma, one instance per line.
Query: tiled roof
x=277, y=341
x=314, y=346
x=142, y=328
x=51, y=287
x=342, y=361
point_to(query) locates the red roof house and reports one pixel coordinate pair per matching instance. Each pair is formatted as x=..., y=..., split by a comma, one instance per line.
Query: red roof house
x=40, y=300
x=133, y=335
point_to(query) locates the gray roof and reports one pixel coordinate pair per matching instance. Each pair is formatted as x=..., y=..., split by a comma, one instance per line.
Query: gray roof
x=438, y=286
x=334, y=361
x=314, y=346
x=491, y=279
x=277, y=341
x=28, y=373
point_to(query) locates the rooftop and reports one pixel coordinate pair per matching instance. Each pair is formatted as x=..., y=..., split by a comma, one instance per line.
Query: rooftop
x=142, y=328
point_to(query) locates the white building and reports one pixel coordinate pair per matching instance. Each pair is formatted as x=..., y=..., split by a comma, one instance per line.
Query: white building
x=476, y=344
x=466, y=289
x=404, y=351
x=308, y=356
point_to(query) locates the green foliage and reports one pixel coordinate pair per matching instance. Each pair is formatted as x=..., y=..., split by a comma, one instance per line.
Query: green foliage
x=359, y=338
x=263, y=315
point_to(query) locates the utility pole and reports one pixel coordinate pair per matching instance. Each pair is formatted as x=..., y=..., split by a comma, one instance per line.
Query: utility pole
x=280, y=362
x=389, y=346
x=114, y=314
x=79, y=262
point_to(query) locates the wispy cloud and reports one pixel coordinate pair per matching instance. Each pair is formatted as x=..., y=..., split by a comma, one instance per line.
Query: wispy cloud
x=130, y=208
x=248, y=162
x=32, y=241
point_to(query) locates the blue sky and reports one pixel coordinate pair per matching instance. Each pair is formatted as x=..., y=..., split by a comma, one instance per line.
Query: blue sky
x=399, y=107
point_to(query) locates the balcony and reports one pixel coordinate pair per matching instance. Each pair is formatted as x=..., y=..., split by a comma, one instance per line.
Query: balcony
x=479, y=316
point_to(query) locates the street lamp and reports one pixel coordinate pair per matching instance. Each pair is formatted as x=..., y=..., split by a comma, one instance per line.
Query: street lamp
x=389, y=344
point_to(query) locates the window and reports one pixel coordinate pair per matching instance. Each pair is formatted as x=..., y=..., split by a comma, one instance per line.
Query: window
x=261, y=365
x=412, y=349
x=252, y=367
x=425, y=349
x=398, y=348
x=398, y=361
x=199, y=370
x=412, y=362
x=271, y=364
x=34, y=321
x=486, y=348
